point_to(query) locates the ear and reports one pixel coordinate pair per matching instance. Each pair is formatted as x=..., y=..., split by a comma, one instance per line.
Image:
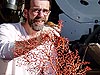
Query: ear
x=25, y=13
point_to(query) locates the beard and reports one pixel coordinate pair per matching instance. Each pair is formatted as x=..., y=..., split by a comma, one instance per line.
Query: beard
x=36, y=26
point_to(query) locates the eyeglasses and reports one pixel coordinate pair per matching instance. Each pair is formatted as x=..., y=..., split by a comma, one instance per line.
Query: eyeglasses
x=38, y=10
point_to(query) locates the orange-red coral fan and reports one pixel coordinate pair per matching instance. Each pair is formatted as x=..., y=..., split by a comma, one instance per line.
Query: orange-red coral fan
x=57, y=55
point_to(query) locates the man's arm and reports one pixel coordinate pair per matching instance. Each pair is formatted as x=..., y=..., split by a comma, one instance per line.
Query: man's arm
x=6, y=43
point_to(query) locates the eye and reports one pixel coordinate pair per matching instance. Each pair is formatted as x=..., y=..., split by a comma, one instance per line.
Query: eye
x=35, y=10
x=45, y=10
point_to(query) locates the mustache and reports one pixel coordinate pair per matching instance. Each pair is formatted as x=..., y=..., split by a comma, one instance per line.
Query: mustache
x=36, y=19
x=39, y=19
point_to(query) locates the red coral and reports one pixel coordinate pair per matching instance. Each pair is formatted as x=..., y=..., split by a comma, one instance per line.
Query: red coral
x=60, y=59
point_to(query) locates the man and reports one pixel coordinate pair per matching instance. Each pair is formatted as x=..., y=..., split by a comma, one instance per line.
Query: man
x=36, y=15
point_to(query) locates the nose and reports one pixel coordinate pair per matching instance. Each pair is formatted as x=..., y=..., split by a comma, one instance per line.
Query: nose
x=41, y=14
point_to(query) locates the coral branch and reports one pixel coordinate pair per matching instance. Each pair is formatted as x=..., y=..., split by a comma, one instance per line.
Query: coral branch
x=50, y=54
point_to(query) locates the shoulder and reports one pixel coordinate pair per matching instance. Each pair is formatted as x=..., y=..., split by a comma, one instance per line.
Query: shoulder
x=5, y=27
x=9, y=24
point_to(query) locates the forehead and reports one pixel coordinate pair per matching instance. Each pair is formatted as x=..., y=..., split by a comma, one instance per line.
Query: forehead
x=40, y=3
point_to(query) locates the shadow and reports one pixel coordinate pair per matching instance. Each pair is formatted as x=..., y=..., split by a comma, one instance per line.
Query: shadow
x=3, y=66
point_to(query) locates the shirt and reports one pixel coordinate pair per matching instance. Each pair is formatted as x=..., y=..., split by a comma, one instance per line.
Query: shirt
x=11, y=32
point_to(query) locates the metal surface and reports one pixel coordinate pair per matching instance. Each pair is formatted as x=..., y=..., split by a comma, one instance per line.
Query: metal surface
x=79, y=12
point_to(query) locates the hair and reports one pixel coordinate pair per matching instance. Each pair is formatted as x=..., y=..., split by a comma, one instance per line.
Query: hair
x=27, y=4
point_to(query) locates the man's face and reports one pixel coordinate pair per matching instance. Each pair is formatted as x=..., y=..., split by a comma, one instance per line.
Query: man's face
x=38, y=13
